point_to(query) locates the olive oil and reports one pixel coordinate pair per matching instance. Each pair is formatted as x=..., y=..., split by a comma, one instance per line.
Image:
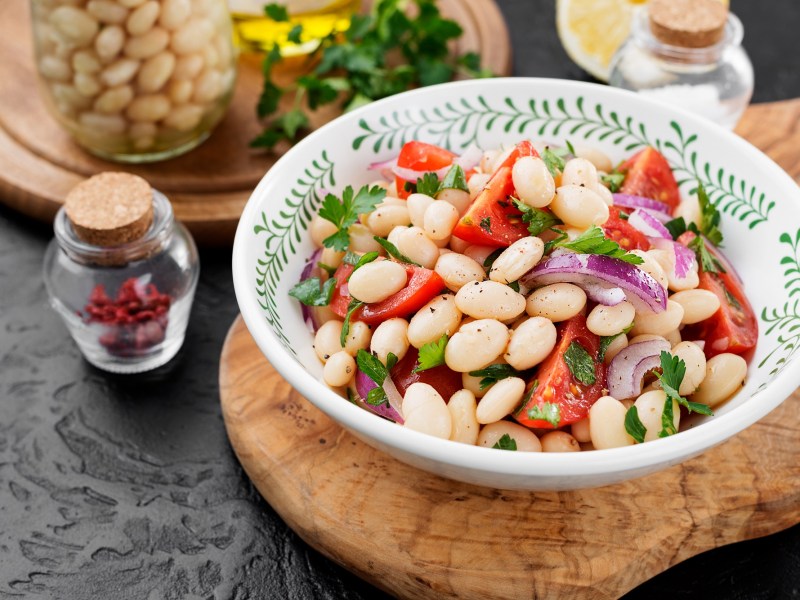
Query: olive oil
x=256, y=32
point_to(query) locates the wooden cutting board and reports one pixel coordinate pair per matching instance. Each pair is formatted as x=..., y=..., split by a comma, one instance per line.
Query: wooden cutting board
x=208, y=186
x=417, y=535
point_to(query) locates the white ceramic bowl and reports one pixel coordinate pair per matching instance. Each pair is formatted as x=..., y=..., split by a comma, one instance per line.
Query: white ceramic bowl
x=761, y=223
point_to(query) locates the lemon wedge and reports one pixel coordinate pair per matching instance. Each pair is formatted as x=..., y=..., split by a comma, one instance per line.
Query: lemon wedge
x=592, y=30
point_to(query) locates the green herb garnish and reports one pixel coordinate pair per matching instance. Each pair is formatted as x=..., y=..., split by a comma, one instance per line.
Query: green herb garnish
x=676, y=227
x=276, y=12
x=344, y=213
x=506, y=442
x=372, y=367
x=545, y=412
x=592, y=241
x=428, y=184
x=327, y=268
x=634, y=425
x=311, y=293
x=709, y=217
x=489, y=260
x=526, y=398
x=392, y=251
x=538, y=220
x=705, y=259
x=580, y=364
x=554, y=159
x=494, y=373
x=354, y=304
x=431, y=354
x=364, y=259
x=613, y=181
x=605, y=342
x=673, y=369
x=486, y=224
x=454, y=180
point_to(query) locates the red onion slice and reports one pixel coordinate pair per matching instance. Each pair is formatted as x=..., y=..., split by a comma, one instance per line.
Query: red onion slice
x=629, y=201
x=312, y=269
x=629, y=367
x=470, y=158
x=683, y=257
x=603, y=295
x=594, y=270
x=392, y=411
x=645, y=221
x=385, y=167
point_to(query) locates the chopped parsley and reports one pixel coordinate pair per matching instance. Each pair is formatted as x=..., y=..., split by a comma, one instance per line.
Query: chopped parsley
x=354, y=304
x=276, y=12
x=372, y=367
x=731, y=298
x=428, y=184
x=580, y=364
x=431, y=354
x=364, y=259
x=613, y=181
x=494, y=373
x=673, y=370
x=514, y=285
x=676, y=227
x=538, y=220
x=526, y=398
x=311, y=293
x=605, y=342
x=486, y=224
x=554, y=159
x=545, y=412
x=454, y=180
x=593, y=241
x=709, y=217
x=634, y=425
x=489, y=261
x=705, y=259
x=506, y=442
x=392, y=251
x=344, y=213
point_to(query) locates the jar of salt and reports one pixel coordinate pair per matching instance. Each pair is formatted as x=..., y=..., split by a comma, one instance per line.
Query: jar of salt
x=687, y=53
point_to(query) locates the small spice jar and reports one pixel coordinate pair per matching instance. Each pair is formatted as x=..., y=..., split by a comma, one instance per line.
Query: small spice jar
x=687, y=53
x=122, y=273
x=135, y=80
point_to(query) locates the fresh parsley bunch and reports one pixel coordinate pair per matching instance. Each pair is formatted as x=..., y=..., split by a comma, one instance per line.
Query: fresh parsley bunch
x=353, y=68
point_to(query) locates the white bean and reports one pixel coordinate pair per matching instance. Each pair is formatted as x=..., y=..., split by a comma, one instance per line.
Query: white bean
x=559, y=441
x=87, y=84
x=673, y=337
x=610, y=320
x=579, y=206
x=459, y=199
x=659, y=323
x=580, y=172
x=607, y=424
x=358, y=337
x=605, y=194
x=180, y=91
x=417, y=205
x=516, y=260
x=188, y=66
x=386, y=217
x=150, y=107
x=462, y=407
x=557, y=302
x=339, y=369
x=438, y=317
x=377, y=280
x=479, y=253
x=490, y=300
x=473, y=384
x=320, y=229
x=109, y=42
x=75, y=25
x=523, y=437
x=531, y=342
x=695, y=359
x=439, y=220
x=106, y=11
x=487, y=160
x=650, y=407
x=594, y=156
x=120, y=72
x=86, y=61
x=114, y=100
x=362, y=240
x=689, y=209
x=131, y=3
x=326, y=340
x=413, y=242
x=476, y=184
x=458, y=245
x=652, y=266
x=192, y=36
x=500, y=400
x=458, y=270
x=475, y=345
x=679, y=284
x=580, y=431
x=143, y=18
x=57, y=69
x=147, y=45
x=698, y=305
x=391, y=336
x=725, y=375
x=110, y=124
x=208, y=87
x=331, y=257
x=616, y=346
x=174, y=13
x=533, y=182
x=424, y=410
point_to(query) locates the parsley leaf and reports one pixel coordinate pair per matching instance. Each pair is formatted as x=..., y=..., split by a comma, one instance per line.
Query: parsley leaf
x=676, y=227
x=392, y=251
x=354, y=304
x=371, y=366
x=431, y=354
x=613, y=181
x=345, y=213
x=673, y=370
x=634, y=425
x=494, y=373
x=532, y=387
x=545, y=412
x=310, y=293
x=554, y=160
x=454, y=180
x=707, y=262
x=391, y=360
x=580, y=364
x=489, y=260
x=506, y=442
x=537, y=219
x=486, y=224
x=428, y=184
x=709, y=217
x=376, y=397
x=593, y=241
x=276, y=12
x=294, y=34
x=365, y=258
x=605, y=342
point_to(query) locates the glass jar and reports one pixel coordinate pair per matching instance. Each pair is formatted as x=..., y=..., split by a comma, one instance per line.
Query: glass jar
x=127, y=306
x=714, y=81
x=135, y=80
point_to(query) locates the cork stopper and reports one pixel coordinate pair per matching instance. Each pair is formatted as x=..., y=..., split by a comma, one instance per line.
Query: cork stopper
x=110, y=209
x=688, y=23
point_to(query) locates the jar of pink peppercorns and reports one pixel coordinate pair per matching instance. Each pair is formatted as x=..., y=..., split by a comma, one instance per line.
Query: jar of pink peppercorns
x=122, y=273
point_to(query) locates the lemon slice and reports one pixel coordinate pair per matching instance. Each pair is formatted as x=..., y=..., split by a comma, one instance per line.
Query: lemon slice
x=592, y=30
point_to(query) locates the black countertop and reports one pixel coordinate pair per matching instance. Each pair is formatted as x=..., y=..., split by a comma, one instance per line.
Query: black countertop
x=126, y=487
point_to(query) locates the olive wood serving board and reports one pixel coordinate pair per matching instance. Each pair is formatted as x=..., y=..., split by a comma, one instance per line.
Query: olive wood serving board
x=418, y=536
x=208, y=186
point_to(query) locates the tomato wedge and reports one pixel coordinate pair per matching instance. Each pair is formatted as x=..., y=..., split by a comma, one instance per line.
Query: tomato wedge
x=423, y=284
x=622, y=232
x=648, y=174
x=556, y=383
x=492, y=220
x=734, y=327
x=420, y=156
x=444, y=380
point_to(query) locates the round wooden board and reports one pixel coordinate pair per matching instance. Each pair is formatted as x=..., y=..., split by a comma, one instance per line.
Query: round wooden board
x=417, y=535
x=208, y=186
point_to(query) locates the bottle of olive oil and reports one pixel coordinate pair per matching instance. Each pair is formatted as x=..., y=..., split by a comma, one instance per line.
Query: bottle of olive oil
x=258, y=33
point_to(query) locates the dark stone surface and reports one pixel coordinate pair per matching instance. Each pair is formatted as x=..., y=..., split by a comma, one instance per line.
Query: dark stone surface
x=126, y=487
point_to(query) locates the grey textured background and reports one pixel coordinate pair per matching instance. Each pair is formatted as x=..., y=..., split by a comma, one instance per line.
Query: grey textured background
x=126, y=487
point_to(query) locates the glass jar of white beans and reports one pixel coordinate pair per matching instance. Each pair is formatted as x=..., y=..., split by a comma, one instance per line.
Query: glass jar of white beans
x=135, y=80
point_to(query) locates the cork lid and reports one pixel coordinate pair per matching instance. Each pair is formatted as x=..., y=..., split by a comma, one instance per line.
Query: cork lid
x=110, y=209
x=688, y=23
